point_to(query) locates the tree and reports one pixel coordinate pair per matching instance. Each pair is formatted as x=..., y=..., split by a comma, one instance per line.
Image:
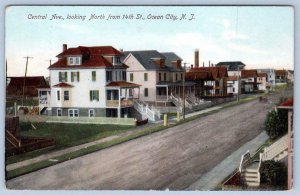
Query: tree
x=276, y=123
x=273, y=173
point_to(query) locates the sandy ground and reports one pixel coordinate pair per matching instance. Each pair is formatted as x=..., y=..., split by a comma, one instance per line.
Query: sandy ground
x=173, y=158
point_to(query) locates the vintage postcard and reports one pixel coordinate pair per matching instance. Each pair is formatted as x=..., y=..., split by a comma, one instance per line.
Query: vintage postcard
x=149, y=97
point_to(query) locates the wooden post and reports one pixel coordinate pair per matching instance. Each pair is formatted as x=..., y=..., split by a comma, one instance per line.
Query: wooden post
x=166, y=120
x=178, y=116
x=15, y=105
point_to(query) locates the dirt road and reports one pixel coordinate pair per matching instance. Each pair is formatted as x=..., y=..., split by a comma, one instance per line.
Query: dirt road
x=173, y=158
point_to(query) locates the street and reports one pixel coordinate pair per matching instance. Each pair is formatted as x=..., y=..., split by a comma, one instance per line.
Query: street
x=172, y=158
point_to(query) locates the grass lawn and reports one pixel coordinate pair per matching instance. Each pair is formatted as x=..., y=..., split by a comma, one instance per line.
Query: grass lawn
x=65, y=135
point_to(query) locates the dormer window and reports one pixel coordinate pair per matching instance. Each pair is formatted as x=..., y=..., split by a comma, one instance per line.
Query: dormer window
x=74, y=60
x=116, y=60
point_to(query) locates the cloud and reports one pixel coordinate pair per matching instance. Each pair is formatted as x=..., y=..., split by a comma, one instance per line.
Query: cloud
x=246, y=49
x=226, y=23
x=230, y=35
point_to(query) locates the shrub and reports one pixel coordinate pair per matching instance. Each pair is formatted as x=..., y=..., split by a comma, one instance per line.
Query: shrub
x=273, y=174
x=276, y=123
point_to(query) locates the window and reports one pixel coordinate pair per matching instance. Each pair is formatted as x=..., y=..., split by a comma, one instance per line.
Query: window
x=130, y=92
x=181, y=76
x=146, y=92
x=116, y=75
x=93, y=75
x=77, y=61
x=124, y=75
x=71, y=60
x=91, y=112
x=59, y=112
x=131, y=76
x=118, y=59
x=63, y=76
x=159, y=76
x=74, y=76
x=108, y=76
x=145, y=76
x=74, y=60
x=233, y=89
x=120, y=75
x=176, y=77
x=73, y=112
x=66, y=95
x=58, y=95
x=165, y=76
x=94, y=95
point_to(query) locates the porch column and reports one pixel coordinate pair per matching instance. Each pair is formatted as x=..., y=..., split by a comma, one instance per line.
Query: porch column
x=119, y=108
x=167, y=92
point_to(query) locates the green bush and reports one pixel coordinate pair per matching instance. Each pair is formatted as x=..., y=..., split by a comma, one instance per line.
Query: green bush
x=276, y=123
x=273, y=174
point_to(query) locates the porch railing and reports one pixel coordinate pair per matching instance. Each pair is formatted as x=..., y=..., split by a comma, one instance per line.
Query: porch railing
x=275, y=149
x=115, y=103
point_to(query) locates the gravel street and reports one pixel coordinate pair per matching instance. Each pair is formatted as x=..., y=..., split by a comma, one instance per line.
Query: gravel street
x=173, y=158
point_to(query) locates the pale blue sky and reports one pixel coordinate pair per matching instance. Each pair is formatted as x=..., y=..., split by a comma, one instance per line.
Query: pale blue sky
x=261, y=37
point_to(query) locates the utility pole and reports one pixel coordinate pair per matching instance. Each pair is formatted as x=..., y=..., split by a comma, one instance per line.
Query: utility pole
x=183, y=86
x=27, y=57
x=50, y=61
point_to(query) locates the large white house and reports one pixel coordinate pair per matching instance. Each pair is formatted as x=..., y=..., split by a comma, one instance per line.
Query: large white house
x=89, y=81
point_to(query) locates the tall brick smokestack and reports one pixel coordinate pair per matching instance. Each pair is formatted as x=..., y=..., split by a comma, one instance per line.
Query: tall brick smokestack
x=196, y=58
x=65, y=47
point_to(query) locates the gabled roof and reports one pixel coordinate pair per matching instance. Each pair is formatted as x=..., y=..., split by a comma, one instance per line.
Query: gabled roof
x=248, y=73
x=146, y=59
x=232, y=65
x=34, y=81
x=262, y=74
x=206, y=73
x=63, y=85
x=92, y=57
x=280, y=72
x=121, y=84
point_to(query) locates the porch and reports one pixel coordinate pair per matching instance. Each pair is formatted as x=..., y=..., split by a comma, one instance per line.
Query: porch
x=164, y=90
x=119, y=96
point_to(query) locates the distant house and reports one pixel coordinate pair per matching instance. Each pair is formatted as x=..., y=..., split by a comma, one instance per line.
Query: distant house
x=271, y=75
x=209, y=81
x=262, y=81
x=281, y=76
x=248, y=81
x=232, y=65
x=31, y=84
x=232, y=85
x=290, y=76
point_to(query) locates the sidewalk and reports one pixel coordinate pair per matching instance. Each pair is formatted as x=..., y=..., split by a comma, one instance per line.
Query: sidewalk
x=51, y=156
x=211, y=179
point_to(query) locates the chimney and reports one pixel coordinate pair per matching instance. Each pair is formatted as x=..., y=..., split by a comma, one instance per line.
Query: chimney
x=208, y=63
x=192, y=66
x=212, y=65
x=203, y=64
x=65, y=47
x=196, y=58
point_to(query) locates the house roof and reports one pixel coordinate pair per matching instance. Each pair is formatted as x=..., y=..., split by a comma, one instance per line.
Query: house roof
x=289, y=102
x=92, y=57
x=63, y=85
x=122, y=84
x=232, y=78
x=232, y=65
x=280, y=72
x=146, y=59
x=206, y=73
x=248, y=73
x=33, y=81
x=262, y=74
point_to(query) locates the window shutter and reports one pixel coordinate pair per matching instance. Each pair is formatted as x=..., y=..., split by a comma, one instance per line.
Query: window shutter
x=72, y=76
x=97, y=95
x=66, y=76
x=59, y=76
x=91, y=95
x=78, y=76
